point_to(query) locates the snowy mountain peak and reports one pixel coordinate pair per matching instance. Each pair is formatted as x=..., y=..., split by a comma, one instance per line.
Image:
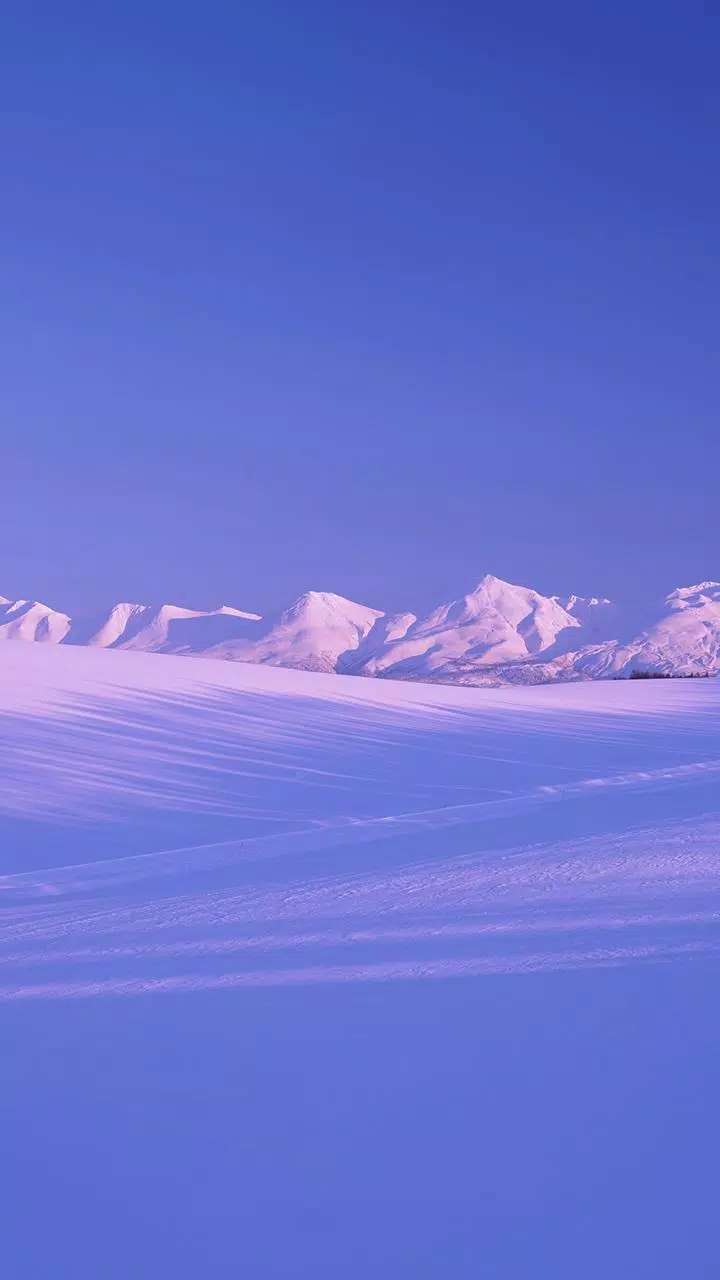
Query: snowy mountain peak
x=700, y=594
x=316, y=632
x=498, y=633
x=493, y=586
x=499, y=594
x=31, y=620
x=326, y=605
x=576, y=603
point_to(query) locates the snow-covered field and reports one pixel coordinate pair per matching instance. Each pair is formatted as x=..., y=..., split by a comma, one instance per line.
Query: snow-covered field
x=175, y=824
x=237, y=904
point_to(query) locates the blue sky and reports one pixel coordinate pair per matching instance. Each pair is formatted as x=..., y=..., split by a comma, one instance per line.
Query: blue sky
x=364, y=298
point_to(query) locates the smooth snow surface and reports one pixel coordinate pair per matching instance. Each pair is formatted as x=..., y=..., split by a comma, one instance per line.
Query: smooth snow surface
x=173, y=825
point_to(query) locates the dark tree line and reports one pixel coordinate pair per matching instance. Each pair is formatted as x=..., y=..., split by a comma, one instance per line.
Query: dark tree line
x=669, y=675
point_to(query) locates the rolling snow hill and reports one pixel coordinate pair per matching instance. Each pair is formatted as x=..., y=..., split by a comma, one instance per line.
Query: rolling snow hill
x=497, y=634
x=189, y=825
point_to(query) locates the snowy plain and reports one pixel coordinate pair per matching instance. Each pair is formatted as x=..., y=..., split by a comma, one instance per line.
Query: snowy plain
x=341, y=829
x=336, y=852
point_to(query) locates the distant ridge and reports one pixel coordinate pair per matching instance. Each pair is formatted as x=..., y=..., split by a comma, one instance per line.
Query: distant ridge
x=497, y=634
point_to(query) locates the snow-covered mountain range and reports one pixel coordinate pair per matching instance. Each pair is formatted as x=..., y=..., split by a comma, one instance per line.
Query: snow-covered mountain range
x=496, y=634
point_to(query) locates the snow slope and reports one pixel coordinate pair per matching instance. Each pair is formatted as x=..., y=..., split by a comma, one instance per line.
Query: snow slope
x=497, y=634
x=170, y=825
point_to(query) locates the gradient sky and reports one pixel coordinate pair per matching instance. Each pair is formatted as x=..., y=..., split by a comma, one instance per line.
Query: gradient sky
x=372, y=298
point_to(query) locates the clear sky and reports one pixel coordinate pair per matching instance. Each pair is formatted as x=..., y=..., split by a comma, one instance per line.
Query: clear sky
x=372, y=298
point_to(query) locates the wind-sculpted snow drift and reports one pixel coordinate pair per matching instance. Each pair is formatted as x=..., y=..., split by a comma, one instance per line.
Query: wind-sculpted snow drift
x=172, y=825
x=497, y=634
